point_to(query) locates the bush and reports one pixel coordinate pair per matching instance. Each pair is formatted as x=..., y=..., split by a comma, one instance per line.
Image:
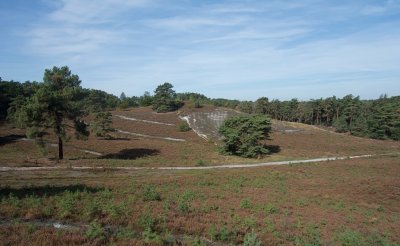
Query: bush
x=95, y=231
x=223, y=234
x=250, y=239
x=150, y=193
x=200, y=163
x=350, y=238
x=198, y=104
x=102, y=125
x=184, y=127
x=242, y=135
x=146, y=221
x=246, y=204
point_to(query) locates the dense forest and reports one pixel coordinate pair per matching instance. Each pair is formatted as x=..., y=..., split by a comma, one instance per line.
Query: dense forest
x=379, y=118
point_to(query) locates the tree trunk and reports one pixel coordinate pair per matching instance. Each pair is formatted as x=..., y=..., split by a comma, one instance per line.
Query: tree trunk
x=60, y=149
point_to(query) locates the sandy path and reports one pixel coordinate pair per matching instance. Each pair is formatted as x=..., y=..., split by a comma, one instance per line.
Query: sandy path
x=275, y=163
x=146, y=121
x=148, y=136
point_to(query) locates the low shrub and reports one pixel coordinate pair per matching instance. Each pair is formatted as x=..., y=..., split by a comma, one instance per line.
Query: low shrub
x=150, y=193
x=184, y=127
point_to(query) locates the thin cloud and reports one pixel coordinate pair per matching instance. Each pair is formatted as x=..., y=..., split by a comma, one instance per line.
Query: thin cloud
x=135, y=45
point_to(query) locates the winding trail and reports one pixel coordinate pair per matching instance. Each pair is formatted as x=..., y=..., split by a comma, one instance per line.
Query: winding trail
x=146, y=121
x=275, y=163
x=149, y=136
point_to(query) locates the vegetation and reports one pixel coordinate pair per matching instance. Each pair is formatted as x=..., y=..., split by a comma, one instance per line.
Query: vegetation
x=282, y=205
x=165, y=99
x=243, y=135
x=11, y=90
x=183, y=127
x=378, y=119
x=102, y=125
x=54, y=104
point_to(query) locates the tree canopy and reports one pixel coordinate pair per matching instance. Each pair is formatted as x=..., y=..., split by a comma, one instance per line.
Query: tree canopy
x=55, y=104
x=242, y=135
x=164, y=99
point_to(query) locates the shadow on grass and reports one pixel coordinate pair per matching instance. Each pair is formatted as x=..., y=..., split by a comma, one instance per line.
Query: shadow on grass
x=47, y=190
x=131, y=154
x=273, y=149
x=10, y=139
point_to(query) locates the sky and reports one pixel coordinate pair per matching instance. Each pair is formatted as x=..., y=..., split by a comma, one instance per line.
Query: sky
x=224, y=49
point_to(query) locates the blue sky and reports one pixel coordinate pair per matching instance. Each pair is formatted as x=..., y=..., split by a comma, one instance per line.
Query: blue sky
x=231, y=49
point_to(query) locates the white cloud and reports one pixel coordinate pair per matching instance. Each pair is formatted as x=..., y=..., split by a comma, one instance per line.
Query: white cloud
x=277, y=44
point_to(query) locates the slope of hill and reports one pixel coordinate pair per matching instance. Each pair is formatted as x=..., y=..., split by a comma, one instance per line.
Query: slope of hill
x=145, y=138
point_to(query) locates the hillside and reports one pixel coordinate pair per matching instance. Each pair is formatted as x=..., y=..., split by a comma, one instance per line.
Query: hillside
x=321, y=203
x=146, y=138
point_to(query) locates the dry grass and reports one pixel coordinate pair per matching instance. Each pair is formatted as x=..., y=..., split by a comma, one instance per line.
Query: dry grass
x=282, y=205
x=123, y=150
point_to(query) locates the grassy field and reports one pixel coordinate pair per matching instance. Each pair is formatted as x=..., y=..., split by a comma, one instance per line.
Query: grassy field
x=351, y=202
x=346, y=202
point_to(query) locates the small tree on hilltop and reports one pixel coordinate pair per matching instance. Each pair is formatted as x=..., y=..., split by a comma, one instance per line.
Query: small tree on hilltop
x=164, y=99
x=54, y=105
x=242, y=135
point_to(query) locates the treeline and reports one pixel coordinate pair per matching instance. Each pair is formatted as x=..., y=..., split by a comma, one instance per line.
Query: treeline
x=90, y=100
x=378, y=118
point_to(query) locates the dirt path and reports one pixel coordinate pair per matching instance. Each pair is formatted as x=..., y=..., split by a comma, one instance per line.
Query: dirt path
x=322, y=159
x=146, y=121
x=69, y=146
x=148, y=136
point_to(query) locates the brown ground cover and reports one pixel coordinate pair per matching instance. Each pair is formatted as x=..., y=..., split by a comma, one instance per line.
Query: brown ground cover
x=288, y=141
x=328, y=203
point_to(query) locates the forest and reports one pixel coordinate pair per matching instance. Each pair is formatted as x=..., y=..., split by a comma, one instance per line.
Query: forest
x=378, y=118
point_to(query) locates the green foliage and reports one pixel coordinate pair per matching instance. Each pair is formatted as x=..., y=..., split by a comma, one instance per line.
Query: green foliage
x=197, y=242
x=126, y=233
x=53, y=105
x=311, y=236
x=151, y=237
x=122, y=97
x=150, y=193
x=95, y=231
x=246, y=107
x=184, y=206
x=146, y=221
x=270, y=209
x=146, y=99
x=261, y=105
x=350, y=238
x=66, y=204
x=246, y=204
x=102, y=125
x=222, y=234
x=243, y=133
x=97, y=101
x=184, y=201
x=184, y=127
x=198, y=104
x=200, y=163
x=251, y=239
x=164, y=99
